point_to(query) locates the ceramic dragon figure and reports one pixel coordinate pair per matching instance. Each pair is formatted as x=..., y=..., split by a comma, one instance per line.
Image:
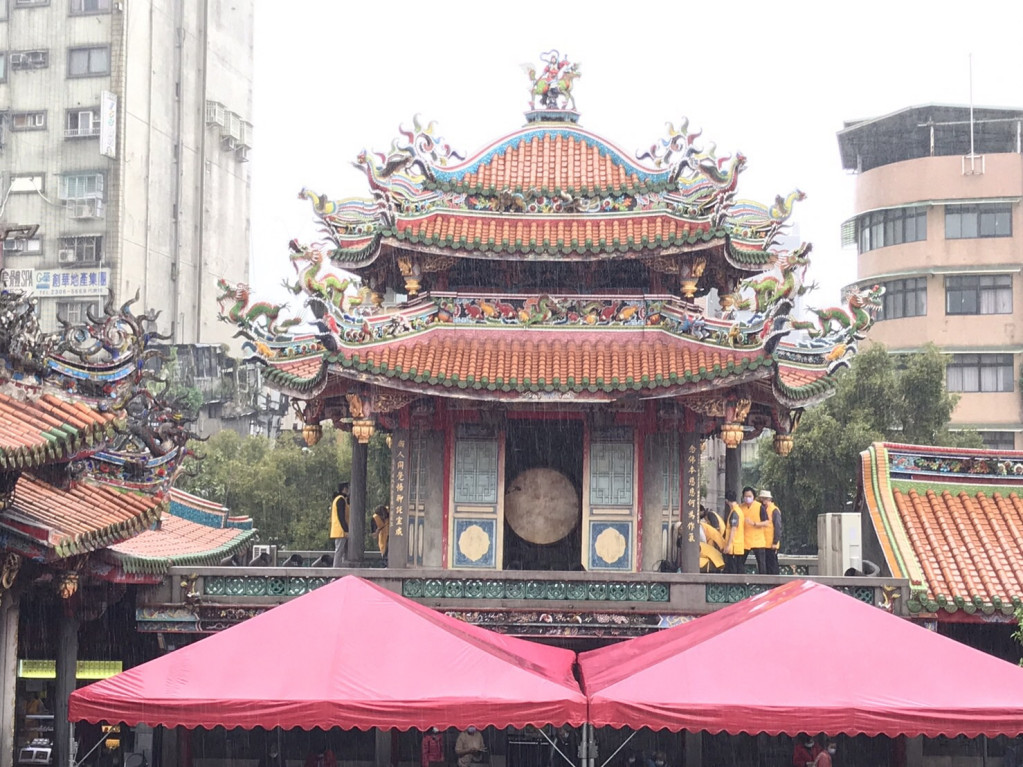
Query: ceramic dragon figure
x=260, y=315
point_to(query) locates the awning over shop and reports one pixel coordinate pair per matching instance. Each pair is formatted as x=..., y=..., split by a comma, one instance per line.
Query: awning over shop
x=803, y=658
x=350, y=654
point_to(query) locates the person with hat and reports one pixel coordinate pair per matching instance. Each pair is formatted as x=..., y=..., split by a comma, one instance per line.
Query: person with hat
x=772, y=532
x=756, y=534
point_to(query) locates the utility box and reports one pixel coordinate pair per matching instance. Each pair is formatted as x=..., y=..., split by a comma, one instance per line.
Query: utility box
x=839, y=543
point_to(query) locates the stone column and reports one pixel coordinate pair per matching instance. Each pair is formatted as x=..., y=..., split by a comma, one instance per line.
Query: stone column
x=357, y=489
x=67, y=666
x=397, y=542
x=9, y=610
x=693, y=748
x=653, y=504
x=733, y=470
x=689, y=548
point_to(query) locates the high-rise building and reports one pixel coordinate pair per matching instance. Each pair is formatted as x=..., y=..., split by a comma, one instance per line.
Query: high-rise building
x=124, y=135
x=938, y=222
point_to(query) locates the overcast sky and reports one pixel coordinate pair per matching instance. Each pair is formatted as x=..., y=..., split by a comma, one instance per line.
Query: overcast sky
x=772, y=80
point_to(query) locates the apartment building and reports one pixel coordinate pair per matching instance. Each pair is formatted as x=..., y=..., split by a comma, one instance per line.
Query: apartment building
x=124, y=135
x=938, y=222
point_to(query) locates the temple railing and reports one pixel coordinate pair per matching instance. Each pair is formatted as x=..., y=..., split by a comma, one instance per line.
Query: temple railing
x=206, y=600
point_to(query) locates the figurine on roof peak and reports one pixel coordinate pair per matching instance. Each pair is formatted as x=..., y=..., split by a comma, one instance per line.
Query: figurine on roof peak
x=553, y=86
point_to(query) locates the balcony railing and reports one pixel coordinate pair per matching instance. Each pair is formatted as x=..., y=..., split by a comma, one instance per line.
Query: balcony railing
x=81, y=132
x=206, y=600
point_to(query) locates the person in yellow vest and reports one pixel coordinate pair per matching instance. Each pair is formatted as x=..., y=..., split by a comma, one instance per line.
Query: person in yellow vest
x=756, y=528
x=382, y=528
x=735, y=546
x=773, y=530
x=339, y=519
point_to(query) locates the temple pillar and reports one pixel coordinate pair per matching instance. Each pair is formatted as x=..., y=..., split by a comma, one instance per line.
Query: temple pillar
x=383, y=746
x=914, y=751
x=733, y=470
x=689, y=546
x=401, y=490
x=433, y=499
x=653, y=504
x=357, y=498
x=9, y=610
x=67, y=666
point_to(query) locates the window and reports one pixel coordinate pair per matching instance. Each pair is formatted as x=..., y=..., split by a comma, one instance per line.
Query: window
x=29, y=60
x=30, y=3
x=90, y=6
x=26, y=183
x=23, y=246
x=998, y=440
x=904, y=298
x=891, y=227
x=3, y=64
x=980, y=373
x=978, y=294
x=86, y=249
x=963, y=222
x=81, y=123
x=81, y=186
x=3, y=10
x=88, y=62
x=28, y=121
x=76, y=312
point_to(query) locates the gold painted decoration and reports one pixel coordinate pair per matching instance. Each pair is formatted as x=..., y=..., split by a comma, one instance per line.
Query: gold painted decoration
x=783, y=444
x=312, y=433
x=731, y=434
x=474, y=543
x=363, y=429
x=610, y=545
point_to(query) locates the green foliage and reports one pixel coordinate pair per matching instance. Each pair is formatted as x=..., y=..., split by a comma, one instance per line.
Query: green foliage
x=875, y=400
x=176, y=389
x=1017, y=635
x=285, y=486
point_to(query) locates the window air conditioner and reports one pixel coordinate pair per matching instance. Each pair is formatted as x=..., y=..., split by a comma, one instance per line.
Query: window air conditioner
x=229, y=143
x=13, y=244
x=66, y=256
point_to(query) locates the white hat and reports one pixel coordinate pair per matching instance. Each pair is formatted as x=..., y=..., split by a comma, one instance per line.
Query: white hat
x=765, y=494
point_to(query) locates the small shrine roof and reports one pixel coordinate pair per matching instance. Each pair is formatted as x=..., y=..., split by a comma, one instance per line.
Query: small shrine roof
x=193, y=531
x=45, y=429
x=951, y=521
x=88, y=516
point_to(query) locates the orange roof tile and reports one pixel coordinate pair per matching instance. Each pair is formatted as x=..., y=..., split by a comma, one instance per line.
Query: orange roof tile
x=579, y=361
x=47, y=428
x=89, y=516
x=551, y=159
x=178, y=541
x=951, y=522
x=498, y=231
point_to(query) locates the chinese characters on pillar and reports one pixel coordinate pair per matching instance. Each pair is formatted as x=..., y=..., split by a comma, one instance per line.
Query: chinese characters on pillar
x=689, y=540
x=399, y=504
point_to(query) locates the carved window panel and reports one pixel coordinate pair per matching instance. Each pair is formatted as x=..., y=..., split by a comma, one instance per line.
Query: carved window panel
x=611, y=473
x=476, y=464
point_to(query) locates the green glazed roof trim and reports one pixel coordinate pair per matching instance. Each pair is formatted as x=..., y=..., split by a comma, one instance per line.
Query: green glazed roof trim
x=748, y=256
x=62, y=442
x=110, y=534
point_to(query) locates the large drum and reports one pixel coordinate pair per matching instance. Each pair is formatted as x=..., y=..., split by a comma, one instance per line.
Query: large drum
x=541, y=505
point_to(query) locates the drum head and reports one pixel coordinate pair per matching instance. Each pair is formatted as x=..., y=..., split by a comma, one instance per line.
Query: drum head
x=541, y=505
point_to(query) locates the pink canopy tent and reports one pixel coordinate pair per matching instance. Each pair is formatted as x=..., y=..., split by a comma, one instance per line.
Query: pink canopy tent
x=803, y=658
x=352, y=655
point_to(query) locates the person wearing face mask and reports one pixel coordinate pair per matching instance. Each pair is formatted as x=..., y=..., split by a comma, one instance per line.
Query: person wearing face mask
x=660, y=759
x=469, y=747
x=805, y=751
x=756, y=528
x=824, y=758
x=432, y=750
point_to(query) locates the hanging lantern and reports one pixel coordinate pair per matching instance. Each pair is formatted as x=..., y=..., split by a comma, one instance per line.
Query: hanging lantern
x=731, y=434
x=783, y=444
x=362, y=429
x=312, y=433
x=67, y=586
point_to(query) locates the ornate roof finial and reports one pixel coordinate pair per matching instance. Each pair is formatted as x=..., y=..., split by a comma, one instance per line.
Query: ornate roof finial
x=553, y=88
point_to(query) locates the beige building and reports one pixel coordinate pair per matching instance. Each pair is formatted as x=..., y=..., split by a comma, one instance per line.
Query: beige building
x=938, y=222
x=125, y=135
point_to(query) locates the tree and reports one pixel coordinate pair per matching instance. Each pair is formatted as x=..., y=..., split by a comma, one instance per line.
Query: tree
x=877, y=399
x=286, y=487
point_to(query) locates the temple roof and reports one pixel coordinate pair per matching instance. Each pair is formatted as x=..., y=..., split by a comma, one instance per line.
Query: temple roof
x=44, y=429
x=951, y=521
x=88, y=516
x=193, y=531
